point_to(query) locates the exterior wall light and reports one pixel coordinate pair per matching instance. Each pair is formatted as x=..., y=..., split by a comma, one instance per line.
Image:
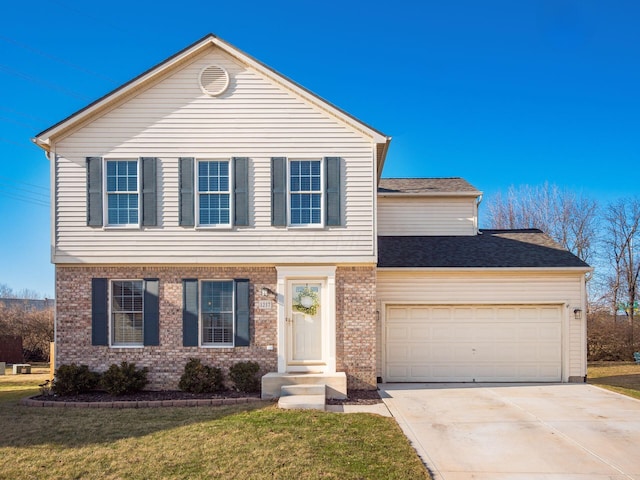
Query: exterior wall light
x=577, y=314
x=267, y=292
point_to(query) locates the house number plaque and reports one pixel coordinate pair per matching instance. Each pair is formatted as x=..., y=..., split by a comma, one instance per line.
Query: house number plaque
x=264, y=304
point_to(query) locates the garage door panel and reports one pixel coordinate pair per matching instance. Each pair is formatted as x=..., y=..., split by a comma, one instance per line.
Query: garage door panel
x=473, y=343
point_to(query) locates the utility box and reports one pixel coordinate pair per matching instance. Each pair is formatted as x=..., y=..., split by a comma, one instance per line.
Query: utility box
x=21, y=368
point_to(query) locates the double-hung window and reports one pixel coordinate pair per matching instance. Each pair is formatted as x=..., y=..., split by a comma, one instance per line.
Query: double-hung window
x=305, y=192
x=123, y=193
x=127, y=313
x=217, y=313
x=214, y=193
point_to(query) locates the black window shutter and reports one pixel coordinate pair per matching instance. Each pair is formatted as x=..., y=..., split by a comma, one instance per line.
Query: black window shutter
x=190, y=313
x=151, y=311
x=187, y=203
x=242, y=313
x=149, y=195
x=279, y=191
x=241, y=191
x=99, y=311
x=332, y=193
x=94, y=191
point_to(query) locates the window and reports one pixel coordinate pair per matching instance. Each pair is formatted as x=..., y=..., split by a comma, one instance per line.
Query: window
x=123, y=199
x=127, y=300
x=305, y=192
x=214, y=193
x=216, y=313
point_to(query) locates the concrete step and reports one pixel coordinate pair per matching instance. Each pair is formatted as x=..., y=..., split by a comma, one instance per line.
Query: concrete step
x=288, y=390
x=336, y=383
x=303, y=402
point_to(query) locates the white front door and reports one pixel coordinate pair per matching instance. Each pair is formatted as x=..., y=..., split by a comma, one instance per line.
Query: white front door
x=304, y=325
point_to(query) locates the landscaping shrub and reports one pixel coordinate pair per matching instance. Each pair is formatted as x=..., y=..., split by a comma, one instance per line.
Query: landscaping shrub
x=245, y=376
x=199, y=378
x=74, y=379
x=124, y=378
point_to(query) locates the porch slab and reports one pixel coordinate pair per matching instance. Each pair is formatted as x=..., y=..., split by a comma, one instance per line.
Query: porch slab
x=336, y=383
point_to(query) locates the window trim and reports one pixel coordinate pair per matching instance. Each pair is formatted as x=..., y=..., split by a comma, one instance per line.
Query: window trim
x=322, y=223
x=111, y=327
x=105, y=201
x=201, y=343
x=229, y=192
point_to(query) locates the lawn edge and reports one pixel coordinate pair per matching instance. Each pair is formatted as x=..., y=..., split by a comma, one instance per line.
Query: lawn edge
x=30, y=402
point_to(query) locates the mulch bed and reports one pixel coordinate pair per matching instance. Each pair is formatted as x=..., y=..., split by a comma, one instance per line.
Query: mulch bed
x=355, y=397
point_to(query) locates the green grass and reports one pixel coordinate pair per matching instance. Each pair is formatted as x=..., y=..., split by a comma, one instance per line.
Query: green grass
x=621, y=377
x=250, y=441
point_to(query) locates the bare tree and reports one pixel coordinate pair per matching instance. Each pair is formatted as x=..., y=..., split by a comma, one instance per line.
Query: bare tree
x=26, y=294
x=622, y=220
x=569, y=218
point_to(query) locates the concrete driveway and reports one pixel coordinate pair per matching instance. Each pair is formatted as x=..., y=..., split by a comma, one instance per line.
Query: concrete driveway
x=507, y=431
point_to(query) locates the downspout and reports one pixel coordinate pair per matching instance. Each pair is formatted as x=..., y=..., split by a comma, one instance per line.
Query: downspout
x=51, y=156
x=477, y=216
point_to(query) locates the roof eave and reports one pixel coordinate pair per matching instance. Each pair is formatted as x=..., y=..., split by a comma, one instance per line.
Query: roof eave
x=45, y=137
x=431, y=194
x=488, y=269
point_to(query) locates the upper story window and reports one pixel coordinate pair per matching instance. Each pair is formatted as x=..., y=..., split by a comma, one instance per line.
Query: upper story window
x=123, y=192
x=305, y=192
x=214, y=193
x=127, y=312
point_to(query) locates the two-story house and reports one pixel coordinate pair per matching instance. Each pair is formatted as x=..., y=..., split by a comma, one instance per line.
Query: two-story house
x=212, y=208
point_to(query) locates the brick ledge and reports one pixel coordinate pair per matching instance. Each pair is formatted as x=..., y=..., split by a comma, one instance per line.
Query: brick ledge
x=199, y=402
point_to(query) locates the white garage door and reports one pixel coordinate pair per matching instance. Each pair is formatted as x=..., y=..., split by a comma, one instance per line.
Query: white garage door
x=467, y=343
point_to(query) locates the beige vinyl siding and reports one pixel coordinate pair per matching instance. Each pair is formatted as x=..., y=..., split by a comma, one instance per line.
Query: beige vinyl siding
x=254, y=118
x=493, y=288
x=426, y=215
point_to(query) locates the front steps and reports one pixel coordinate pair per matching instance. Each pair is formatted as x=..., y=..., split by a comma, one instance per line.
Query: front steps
x=307, y=397
x=335, y=384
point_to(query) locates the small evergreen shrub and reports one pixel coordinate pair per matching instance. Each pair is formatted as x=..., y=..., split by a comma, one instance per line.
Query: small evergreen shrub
x=74, y=379
x=124, y=378
x=245, y=376
x=199, y=378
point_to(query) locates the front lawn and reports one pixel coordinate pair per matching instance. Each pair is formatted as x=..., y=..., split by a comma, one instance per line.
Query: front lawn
x=241, y=441
x=621, y=377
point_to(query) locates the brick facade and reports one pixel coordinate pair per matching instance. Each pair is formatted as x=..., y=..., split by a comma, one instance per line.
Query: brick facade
x=355, y=322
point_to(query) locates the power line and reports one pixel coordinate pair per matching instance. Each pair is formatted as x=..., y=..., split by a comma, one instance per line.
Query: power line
x=56, y=59
x=23, y=198
x=17, y=122
x=23, y=145
x=24, y=183
x=38, y=196
x=23, y=114
x=44, y=83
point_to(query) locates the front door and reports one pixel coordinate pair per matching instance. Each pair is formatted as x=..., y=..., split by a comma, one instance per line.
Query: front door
x=304, y=321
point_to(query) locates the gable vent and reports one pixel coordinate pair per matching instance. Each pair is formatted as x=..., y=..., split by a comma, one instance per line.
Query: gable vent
x=214, y=80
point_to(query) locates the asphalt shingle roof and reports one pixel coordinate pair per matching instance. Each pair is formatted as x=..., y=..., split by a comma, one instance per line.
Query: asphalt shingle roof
x=425, y=185
x=489, y=249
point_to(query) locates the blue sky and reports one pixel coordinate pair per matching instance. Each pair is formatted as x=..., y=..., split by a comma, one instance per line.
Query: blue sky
x=499, y=92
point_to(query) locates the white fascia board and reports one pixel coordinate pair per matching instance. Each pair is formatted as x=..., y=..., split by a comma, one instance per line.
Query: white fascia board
x=432, y=194
x=44, y=138
x=307, y=95
x=366, y=261
x=486, y=269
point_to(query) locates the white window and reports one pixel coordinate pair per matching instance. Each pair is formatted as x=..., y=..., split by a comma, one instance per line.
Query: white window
x=127, y=312
x=123, y=193
x=217, y=313
x=214, y=193
x=305, y=192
